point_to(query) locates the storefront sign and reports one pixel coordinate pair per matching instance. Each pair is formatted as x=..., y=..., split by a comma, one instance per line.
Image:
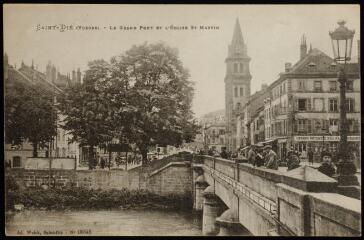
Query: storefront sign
x=354, y=138
x=327, y=138
x=307, y=138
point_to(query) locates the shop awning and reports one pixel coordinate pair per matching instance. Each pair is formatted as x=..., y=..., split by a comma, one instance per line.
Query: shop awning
x=269, y=141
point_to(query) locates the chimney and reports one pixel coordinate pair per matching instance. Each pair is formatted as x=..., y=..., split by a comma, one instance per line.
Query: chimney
x=287, y=66
x=78, y=75
x=73, y=76
x=54, y=74
x=49, y=72
x=303, y=47
x=264, y=86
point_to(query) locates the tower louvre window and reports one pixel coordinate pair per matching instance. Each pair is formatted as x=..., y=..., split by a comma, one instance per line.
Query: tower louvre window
x=235, y=91
x=235, y=67
x=241, y=91
x=241, y=67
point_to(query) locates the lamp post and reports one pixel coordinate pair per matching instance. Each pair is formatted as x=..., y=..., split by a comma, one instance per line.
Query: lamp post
x=342, y=40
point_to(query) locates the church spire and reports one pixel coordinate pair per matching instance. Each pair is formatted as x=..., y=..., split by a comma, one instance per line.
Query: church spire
x=237, y=36
x=237, y=46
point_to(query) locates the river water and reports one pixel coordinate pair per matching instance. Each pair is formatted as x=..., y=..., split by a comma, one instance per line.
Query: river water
x=104, y=222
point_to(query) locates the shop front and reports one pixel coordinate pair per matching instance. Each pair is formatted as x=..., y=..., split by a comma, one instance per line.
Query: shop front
x=330, y=143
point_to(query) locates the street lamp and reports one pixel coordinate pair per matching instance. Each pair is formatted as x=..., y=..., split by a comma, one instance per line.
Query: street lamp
x=342, y=40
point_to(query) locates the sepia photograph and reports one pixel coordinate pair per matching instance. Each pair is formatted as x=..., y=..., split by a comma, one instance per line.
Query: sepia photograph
x=182, y=120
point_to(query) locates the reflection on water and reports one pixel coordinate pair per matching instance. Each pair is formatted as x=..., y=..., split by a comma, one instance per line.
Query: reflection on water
x=104, y=222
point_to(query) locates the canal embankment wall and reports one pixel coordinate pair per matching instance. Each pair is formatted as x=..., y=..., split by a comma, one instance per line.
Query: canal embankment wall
x=174, y=178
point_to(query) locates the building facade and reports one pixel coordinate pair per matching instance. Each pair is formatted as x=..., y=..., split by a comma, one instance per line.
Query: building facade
x=213, y=130
x=303, y=107
x=51, y=79
x=237, y=84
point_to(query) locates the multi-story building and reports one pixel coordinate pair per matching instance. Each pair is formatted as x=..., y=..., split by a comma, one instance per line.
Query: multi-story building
x=61, y=147
x=213, y=130
x=250, y=119
x=303, y=107
x=237, y=84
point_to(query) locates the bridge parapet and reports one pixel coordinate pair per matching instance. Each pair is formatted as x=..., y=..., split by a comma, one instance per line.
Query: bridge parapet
x=300, y=202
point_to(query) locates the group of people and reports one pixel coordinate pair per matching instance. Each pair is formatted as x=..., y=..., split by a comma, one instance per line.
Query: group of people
x=263, y=156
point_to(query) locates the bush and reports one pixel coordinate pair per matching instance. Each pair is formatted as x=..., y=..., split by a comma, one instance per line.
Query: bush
x=81, y=198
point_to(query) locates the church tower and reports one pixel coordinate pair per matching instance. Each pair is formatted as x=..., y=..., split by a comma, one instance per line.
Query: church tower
x=237, y=83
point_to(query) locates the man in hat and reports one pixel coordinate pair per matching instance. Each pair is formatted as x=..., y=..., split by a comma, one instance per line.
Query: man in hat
x=327, y=167
x=271, y=159
x=251, y=155
x=293, y=161
x=259, y=159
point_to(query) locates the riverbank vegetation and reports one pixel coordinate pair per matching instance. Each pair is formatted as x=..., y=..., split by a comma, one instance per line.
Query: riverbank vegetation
x=82, y=198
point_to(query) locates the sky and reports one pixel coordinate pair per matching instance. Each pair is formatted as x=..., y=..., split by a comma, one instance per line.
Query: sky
x=272, y=34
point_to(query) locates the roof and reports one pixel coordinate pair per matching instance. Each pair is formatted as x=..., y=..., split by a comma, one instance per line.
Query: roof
x=315, y=62
x=237, y=36
x=32, y=75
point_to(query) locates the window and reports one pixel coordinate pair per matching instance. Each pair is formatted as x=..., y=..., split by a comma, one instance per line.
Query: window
x=284, y=87
x=318, y=104
x=301, y=125
x=318, y=126
x=235, y=91
x=352, y=125
x=334, y=125
x=241, y=67
x=301, y=85
x=16, y=161
x=302, y=104
x=317, y=85
x=238, y=105
x=241, y=91
x=350, y=105
x=304, y=126
x=221, y=132
x=350, y=85
x=235, y=67
x=333, y=86
x=333, y=105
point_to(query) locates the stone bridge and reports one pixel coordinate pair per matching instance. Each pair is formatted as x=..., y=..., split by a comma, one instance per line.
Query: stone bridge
x=301, y=202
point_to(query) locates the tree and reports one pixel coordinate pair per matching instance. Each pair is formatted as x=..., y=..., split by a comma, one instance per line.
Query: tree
x=159, y=95
x=87, y=117
x=143, y=95
x=29, y=113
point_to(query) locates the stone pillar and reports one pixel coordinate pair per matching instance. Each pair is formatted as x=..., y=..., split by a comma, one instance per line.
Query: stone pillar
x=212, y=208
x=229, y=224
x=200, y=186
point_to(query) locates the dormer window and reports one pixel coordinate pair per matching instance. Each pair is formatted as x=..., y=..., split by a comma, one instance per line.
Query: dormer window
x=312, y=64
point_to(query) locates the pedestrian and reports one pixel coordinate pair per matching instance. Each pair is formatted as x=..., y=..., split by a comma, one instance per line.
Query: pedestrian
x=259, y=159
x=293, y=161
x=210, y=152
x=224, y=154
x=251, y=155
x=102, y=163
x=310, y=156
x=271, y=159
x=327, y=167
